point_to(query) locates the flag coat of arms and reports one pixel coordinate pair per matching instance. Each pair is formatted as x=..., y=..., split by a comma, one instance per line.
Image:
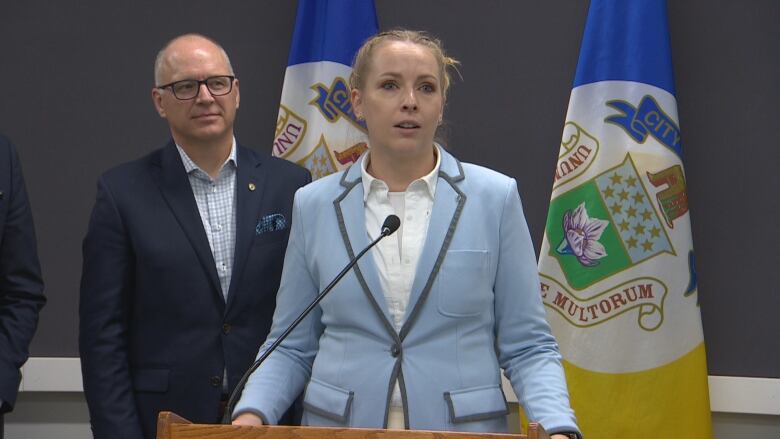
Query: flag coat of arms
x=617, y=263
x=316, y=127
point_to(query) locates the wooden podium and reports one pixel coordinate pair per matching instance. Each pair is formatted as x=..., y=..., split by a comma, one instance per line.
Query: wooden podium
x=172, y=426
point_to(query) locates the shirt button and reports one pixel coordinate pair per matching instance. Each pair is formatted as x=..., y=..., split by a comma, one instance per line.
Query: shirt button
x=219, y=227
x=215, y=381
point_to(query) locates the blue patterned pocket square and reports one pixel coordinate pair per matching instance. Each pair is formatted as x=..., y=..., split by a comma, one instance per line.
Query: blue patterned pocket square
x=271, y=223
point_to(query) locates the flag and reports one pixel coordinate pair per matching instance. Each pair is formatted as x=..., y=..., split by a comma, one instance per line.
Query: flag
x=316, y=127
x=616, y=265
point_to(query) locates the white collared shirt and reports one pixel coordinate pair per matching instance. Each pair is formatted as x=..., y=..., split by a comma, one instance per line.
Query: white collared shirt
x=397, y=255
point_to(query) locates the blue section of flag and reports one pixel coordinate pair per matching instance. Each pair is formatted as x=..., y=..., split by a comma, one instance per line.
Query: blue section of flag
x=626, y=40
x=331, y=30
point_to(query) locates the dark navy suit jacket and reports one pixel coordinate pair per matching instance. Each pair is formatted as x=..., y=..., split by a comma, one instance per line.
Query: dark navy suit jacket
x=155, y=331
x=21, y=287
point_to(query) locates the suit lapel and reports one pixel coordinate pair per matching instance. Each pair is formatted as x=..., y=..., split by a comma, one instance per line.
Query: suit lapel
x=175, y=187
x=350, y=212
x=248, y=203
x=447, y=206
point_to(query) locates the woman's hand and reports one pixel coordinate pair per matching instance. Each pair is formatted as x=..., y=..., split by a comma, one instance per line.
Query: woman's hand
x=250, y=419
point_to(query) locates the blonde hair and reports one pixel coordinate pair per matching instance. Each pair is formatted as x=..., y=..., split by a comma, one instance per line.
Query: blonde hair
x=364, y=55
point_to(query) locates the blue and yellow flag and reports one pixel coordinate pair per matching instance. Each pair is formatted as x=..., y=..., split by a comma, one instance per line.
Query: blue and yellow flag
x=617, y=264
x=316, y=127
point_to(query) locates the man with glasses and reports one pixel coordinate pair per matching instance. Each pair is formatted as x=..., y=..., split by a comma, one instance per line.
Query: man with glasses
x=183, y=256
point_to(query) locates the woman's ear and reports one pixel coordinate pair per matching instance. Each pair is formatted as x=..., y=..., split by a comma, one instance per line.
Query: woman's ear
x=357, y=103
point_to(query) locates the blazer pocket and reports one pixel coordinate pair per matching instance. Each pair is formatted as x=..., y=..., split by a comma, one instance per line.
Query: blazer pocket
x=464, y=290
x=476, y=403
x=328, y=401
x=273, y=237
x=151, y=380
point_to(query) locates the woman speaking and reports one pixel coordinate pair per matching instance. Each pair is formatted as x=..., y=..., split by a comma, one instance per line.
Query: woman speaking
x=416, y=335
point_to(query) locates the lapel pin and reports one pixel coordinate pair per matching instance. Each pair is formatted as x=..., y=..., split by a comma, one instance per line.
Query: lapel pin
x=252, y=186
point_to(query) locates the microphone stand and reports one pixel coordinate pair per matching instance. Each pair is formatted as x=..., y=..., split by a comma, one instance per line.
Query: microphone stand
x=390, y=225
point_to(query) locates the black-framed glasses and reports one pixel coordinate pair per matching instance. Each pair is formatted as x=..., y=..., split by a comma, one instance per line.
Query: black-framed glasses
x=189, y=88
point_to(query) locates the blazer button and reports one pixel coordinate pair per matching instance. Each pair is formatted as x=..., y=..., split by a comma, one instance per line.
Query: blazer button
x=226, y=328
x=395, y=351
x=215, y=381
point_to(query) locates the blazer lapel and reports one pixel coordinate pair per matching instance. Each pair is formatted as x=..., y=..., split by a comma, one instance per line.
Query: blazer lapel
x=447, y=206
x=248, y=203
x=352, y=223
x=175, y=187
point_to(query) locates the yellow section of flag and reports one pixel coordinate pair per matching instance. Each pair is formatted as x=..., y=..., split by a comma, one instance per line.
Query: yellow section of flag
x=604, y=401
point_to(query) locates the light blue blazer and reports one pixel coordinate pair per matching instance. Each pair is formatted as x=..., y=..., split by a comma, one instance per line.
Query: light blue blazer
x=475, y=308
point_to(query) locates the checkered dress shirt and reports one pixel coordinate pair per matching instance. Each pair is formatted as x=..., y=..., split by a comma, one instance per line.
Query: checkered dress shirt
x=216, y=199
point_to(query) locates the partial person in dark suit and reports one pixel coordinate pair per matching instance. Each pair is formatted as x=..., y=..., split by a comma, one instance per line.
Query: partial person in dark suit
x=21, y=286
x=183, y=256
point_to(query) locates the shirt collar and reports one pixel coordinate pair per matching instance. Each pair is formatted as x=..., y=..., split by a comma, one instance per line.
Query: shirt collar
x=191, y=167
x=370, y=183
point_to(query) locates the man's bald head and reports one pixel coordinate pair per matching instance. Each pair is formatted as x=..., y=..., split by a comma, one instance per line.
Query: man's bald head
x=167, y=56
x=206, y=119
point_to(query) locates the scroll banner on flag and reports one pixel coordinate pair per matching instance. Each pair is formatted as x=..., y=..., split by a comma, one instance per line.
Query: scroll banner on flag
x=316, y=127
x=617, y=265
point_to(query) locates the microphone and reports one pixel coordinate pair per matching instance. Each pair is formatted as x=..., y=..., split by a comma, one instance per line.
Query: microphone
x=391, y=224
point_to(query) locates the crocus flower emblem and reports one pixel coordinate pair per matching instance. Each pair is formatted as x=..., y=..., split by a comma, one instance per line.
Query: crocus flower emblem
x=582, y=236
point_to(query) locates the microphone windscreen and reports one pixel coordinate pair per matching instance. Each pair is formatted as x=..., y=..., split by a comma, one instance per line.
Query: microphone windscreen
x=391, y=224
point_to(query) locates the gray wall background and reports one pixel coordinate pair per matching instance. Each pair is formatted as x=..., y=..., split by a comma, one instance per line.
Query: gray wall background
x=75, y=98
